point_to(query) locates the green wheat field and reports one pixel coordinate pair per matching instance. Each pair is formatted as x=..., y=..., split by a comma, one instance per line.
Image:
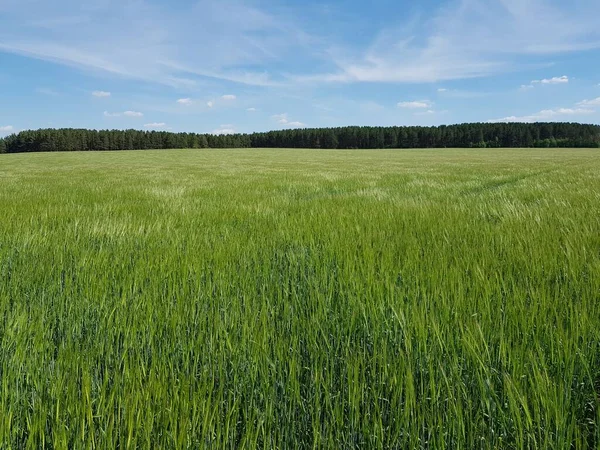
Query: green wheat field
x=282, y=299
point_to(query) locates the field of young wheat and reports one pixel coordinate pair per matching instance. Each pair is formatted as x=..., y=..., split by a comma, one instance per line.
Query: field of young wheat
x=300, y=299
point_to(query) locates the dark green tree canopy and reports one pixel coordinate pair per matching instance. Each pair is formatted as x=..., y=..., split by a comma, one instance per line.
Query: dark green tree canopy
x=475, y=135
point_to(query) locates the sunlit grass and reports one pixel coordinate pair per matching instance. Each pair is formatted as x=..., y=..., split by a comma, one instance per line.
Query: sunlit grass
x=300, y=299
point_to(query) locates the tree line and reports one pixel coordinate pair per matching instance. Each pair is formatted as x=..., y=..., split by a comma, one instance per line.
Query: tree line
x=476, y=135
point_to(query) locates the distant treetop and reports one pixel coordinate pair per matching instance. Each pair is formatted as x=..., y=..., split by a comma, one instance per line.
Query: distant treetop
x=475, y=135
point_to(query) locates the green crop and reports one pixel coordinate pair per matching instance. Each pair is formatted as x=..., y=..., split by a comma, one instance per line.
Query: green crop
x=300, y=299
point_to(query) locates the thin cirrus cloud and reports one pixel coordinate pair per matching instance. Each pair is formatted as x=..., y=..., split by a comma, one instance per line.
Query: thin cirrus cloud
x=589, y=103
x=174, y=53
x=547, y=115
x=7, y=129
x=428, y=48
x=579, y=110
x=123, y=114
x=283, y=119
x=155, y=125
x=285, y=53
x=407, y=54
x=224, y=99
x=420, y=104
x=224, y=130
x=554, y=80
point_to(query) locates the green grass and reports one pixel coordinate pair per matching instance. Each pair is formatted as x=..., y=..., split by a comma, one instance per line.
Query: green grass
x=300, y=299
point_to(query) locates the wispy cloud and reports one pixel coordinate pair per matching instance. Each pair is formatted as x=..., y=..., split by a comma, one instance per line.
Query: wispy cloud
x=408, y=54
x=152, y=41
x=526, y=87
x=7, y=129
x=224, y=130
x=420, y=104
x=580, y=109
x=284, y=56
x=589, y=103
x=547, y=115
x=222, y=100
x=123, y=114
x=283, y=119
x=554, y=80
x=155, y=125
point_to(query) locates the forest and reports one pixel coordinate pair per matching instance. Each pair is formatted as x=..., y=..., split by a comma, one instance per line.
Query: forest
x=476, y=135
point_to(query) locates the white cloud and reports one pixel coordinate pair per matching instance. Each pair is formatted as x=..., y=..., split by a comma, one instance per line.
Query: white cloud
x=434, y=47
x=6, y=129
x=149, y=41
x=224, y=129
x=251, y=109
x=526, y=87
x=425, y=113
x=228, y=97
x=101, y=94
x=152, y=41
x=546, y=115
x=123, y=114
x=155, y=125
x=582, y=108
x=185, y=101
x=554, y=80
x=421, y=104
x=283, y=119
x=589, y=103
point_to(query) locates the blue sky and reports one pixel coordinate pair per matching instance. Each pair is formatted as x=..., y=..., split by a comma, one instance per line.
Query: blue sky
x=227, y=66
